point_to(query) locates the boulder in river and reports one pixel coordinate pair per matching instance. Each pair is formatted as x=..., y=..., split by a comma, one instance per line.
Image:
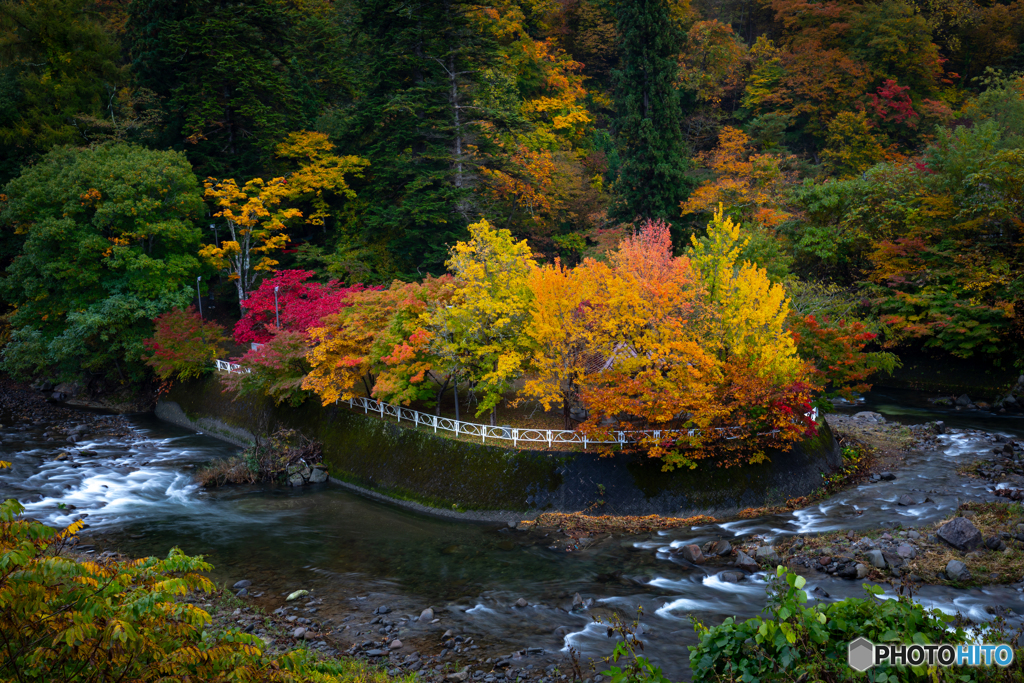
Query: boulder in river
x=868, y=416
x=239, y=585
x=960, y=533
x=766, y=553
x=746, y=562
x=318, y=475
x=875, y=557
x=427, y=615
x=692, y=553
x=731, y=577
x=963, y=400
x=719, y=548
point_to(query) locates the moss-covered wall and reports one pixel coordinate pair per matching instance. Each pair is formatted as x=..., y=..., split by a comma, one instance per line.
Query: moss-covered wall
x=440, y=472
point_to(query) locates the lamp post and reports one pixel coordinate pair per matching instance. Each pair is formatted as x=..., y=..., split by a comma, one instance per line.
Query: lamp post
x=277, y=311
x=216, y=238
x=199, y=296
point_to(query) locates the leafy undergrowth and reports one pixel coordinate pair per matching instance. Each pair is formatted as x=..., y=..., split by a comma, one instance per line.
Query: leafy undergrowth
x=116, y=620
x=796, y=642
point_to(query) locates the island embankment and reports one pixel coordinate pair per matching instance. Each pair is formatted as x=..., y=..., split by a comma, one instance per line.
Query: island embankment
x=483, y=481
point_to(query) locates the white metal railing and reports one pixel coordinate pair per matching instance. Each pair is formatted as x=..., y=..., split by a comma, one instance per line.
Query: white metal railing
x=228, y=366
x=513, y=434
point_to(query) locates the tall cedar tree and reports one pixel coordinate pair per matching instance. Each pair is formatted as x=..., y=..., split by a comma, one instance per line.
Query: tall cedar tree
x=227, y=71
x=418, y=124
x=652, y=180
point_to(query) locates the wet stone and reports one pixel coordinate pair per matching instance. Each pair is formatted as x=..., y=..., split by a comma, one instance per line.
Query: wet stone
x=692, y=553
x=960, y=533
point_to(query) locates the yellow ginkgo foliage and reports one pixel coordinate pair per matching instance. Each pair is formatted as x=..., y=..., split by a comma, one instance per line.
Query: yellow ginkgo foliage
x=749, y=310
x=482, y=332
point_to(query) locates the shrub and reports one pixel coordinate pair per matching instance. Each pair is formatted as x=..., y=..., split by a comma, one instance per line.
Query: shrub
x=183, y=345
x=795, y=642
x=111, y=620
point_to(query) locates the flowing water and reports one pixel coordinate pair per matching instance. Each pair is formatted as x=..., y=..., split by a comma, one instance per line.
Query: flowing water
x=354, y=553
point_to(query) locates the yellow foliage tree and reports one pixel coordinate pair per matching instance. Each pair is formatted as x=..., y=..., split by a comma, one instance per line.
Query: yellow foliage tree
x=321, y=172
x=255, y=215
x=850, y=146
x=256, y=223
x=483, y=331
x=750, y=311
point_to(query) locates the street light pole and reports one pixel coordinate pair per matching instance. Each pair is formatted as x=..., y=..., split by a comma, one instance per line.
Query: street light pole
x=277, y=311
x=216, y=237
x=199, y=296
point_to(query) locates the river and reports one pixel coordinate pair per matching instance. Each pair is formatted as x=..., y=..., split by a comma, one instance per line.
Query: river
x=355, y=554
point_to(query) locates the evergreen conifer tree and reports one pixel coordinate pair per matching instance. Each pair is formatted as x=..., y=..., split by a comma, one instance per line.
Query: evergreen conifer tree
x=418, y=124
x=652, y=178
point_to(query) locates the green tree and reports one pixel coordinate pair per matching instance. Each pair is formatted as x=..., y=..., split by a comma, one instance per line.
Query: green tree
x=109, y=244
x=652, y=179
x=418, y=124
x=57, y=65
x=232, y=75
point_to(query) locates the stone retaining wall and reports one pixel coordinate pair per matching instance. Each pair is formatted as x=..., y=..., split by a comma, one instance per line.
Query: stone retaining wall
x=434, y=473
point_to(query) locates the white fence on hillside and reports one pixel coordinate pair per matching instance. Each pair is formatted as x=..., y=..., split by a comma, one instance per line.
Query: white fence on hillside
x=513, y=434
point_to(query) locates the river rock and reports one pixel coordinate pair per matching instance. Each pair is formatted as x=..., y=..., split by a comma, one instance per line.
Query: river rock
x=299, y=632
x=521, y=602
x=719, y=548
x=427, y=615
x=957, y=571
x=317, y=476
x=892, y=559
x=296, y=595
x=396, y=644
x=239, y=585
x=296, y=480
x=766, y=553
x=746, y=562
x=692, y=553
x=868, y=416
x=915, y=498
x=731, y=577
x=875, y=558
x=906, y=551
x=995, y=543
x=963, y=400
x=383, y=609
x=960, y=533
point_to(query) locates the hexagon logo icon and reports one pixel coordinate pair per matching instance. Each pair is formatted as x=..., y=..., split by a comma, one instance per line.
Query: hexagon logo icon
x=861, y=654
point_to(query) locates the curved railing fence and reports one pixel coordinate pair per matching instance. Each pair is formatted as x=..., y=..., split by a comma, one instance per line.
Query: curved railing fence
x=514, y=434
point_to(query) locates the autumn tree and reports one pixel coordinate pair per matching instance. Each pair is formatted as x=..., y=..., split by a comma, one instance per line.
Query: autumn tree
x=483, y=330
x=379, y=344
x=291, y=297
x=183, y=345
x=652, y=178
x=256, y=223
x=559, y=329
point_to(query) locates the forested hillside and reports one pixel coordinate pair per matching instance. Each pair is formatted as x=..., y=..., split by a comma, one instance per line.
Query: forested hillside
x=871, y=151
